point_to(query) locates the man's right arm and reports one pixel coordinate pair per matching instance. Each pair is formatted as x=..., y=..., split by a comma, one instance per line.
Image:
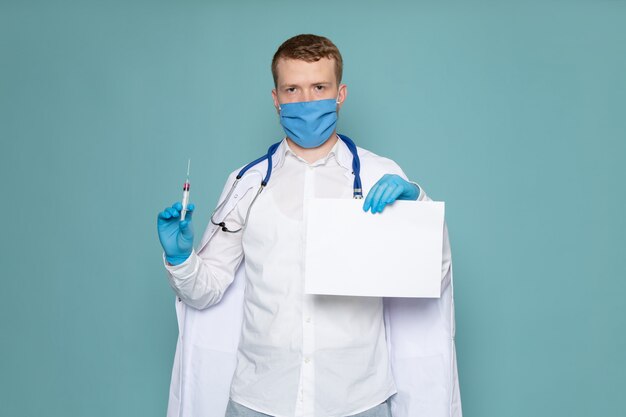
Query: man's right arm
x=203, y=277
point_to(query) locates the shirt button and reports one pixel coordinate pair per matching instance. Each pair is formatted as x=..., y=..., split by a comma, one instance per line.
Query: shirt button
x=307, y=360
x=308, y=319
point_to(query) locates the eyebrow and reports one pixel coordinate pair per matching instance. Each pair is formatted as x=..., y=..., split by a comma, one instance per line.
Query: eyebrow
x=296, y=85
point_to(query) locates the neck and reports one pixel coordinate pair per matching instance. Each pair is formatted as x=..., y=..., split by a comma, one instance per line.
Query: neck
x=313, y=154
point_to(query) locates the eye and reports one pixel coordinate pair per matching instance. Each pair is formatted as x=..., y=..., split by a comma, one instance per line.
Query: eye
x=319, y=87
x=290, y=89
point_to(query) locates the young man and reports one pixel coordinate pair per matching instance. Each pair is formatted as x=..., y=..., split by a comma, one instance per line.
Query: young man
x=296, y=354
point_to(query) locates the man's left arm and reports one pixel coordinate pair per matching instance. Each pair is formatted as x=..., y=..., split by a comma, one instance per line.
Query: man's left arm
x=412, y=398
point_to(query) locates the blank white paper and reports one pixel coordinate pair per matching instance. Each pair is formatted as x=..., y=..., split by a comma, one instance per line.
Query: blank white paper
x=396, y=253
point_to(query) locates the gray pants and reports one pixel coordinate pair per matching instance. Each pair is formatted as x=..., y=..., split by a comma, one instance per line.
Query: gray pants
x=237, y=410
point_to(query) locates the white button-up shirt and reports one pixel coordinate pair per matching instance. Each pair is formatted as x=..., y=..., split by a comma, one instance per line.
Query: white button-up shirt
x=299, y=354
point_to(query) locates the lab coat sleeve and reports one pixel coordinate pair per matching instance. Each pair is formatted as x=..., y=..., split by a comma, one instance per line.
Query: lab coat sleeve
x=421, y=338
x=422, y=334
x=203, y=278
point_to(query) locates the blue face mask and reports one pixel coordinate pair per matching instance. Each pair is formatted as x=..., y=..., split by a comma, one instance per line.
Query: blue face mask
x=309, y=123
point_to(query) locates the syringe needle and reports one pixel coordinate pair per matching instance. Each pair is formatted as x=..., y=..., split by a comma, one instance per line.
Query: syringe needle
x=188, y=166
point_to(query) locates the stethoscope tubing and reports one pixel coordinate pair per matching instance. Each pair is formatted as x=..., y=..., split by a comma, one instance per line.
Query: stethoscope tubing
x=356, y=170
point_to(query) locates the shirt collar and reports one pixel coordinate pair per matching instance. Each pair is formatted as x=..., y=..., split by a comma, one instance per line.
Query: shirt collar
x=339, y=151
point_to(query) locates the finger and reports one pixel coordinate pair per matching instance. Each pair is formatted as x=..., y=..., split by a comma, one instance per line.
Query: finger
x=191, y=206
x=396, y=193
x=165, y=215
x=376, y=198
x=393, y=197
x=385, y=198
x=177, y=205
x=189, y=213
x=186, y=230
x=368, y=200
x=173, y=212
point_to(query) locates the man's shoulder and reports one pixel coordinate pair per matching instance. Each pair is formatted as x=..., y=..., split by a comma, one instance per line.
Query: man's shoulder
x=373, y=161
x=259, y=167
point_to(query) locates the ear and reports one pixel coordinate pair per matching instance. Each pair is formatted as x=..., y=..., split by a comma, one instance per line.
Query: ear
x=275, y=99
x=342, y=94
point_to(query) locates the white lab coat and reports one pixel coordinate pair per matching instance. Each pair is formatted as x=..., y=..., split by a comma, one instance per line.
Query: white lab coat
x=420, y=332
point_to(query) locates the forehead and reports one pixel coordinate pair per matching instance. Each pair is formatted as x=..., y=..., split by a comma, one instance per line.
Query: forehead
x=299, y=72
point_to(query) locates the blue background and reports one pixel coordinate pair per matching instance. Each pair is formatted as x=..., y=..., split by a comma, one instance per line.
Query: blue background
x=511, y=112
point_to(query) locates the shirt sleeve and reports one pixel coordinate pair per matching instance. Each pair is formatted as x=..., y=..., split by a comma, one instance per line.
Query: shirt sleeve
x=203, y=278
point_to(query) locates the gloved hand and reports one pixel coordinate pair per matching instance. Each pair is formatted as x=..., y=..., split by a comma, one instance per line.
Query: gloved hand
x=388, y=189
x=175, y=236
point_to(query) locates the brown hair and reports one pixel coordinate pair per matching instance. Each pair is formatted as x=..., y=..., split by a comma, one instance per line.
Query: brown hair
x=309, y=48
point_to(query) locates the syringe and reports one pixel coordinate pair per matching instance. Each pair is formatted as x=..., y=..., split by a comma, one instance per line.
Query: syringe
x=185, y=193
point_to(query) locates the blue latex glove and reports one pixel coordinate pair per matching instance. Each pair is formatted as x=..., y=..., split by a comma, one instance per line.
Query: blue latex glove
x=388, y=189
x=175, y=236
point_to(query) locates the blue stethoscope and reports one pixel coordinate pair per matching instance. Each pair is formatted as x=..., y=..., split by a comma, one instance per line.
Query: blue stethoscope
x=356, y=170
